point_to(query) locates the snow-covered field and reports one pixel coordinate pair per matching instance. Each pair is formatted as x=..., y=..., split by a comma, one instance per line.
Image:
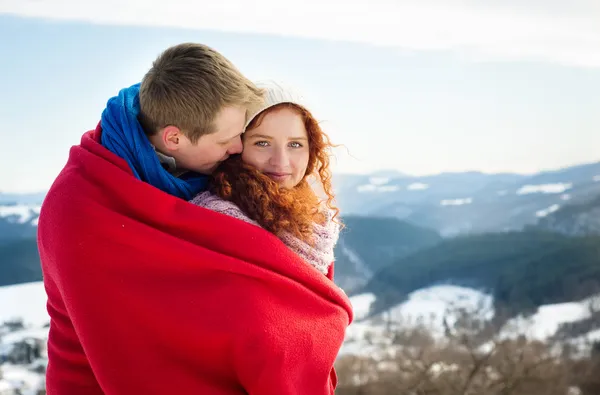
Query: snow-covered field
x=365, y=336
x=26, y=302
x=20, y=213
x=427, y=307
x=25, y=379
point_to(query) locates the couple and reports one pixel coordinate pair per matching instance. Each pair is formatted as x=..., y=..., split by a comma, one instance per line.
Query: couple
x=183, y=248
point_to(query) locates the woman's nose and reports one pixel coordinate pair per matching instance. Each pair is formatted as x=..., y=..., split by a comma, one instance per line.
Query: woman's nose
x=280, y=158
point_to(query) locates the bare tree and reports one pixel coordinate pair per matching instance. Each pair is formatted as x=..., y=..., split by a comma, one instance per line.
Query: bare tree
x=471, y=357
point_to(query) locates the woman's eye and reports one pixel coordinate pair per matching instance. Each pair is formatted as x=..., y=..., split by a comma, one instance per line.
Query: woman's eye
x=295, y=144
x=261, y=143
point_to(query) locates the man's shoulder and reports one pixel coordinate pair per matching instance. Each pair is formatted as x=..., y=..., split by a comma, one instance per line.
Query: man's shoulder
x=67, y=194
x=72, y=183
x=60, y=204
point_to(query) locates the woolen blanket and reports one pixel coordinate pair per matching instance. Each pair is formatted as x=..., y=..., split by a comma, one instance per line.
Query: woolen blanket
x=150, y=294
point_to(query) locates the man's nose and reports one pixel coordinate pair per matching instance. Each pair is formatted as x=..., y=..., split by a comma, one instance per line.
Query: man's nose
x=236, y=147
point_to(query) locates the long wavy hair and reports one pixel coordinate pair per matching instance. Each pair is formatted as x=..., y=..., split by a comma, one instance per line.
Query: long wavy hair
x=275, y=208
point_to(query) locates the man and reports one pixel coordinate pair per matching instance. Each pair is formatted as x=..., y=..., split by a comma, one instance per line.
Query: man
x=173, y=129
x=149, y=294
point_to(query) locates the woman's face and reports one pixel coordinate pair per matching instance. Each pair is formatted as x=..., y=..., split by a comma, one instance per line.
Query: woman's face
x=278, y=146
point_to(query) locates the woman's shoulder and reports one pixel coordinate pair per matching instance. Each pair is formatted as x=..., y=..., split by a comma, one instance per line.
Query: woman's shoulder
x=206, y=199
x=328, y=231
x=331, y=218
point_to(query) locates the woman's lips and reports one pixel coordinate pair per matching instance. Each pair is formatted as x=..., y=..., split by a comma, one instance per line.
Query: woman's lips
x=278, y=176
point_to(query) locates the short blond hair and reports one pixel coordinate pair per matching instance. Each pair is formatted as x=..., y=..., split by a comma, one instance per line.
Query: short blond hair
x=188, y=85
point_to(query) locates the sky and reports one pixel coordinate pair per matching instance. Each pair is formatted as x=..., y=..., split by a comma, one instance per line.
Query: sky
x=418, y=86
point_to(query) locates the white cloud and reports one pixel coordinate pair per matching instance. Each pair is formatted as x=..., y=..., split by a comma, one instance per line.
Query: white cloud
x=562, y=32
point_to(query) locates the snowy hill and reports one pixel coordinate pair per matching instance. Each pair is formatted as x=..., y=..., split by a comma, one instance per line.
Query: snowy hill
x=20, y=213
x=18, y=371
x=18, y=222
x=429, y=307
x=425, y=307
x=522, y=270
x=575, y=219
x=26, y=301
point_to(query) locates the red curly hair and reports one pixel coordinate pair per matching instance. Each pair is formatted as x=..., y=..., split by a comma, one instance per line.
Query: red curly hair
x=275, y=208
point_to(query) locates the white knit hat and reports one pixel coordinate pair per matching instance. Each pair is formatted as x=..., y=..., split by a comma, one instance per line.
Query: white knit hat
x=276, y=93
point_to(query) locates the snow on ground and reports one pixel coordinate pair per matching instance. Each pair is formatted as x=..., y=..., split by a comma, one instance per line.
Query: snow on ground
x=546, y=211
x=585, y=340
x=548, y=318
x=456, y=202
x=21, y=377
x=5, y=387
x=379, y=180
x=388, y=188
x=378, y=184
x=366, y=338
x=428, y=307
x=359, y=332
x=366, y=188
x=361, y=305
x=17, y=336
x=377, y=188
x=19, y=213
x=417, y=186
x=544, y=188
x=27, y=301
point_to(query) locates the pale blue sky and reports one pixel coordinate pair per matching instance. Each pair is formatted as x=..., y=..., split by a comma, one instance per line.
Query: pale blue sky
x=417, y=110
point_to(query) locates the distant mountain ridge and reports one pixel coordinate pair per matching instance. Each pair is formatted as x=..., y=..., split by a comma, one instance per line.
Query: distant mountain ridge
x=575, y=220
x=34, y=198
x=393, y=219
x=471, y=202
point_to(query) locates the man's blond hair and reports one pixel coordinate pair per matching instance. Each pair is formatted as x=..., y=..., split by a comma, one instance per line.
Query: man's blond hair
x=188, y=85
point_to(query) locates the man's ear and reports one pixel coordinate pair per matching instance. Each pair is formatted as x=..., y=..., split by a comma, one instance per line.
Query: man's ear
x=171, y=137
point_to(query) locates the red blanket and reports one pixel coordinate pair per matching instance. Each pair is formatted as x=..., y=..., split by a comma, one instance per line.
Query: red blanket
x=149, y=294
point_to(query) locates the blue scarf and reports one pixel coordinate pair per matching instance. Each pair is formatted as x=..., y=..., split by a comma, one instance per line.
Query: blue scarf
x=123, y=135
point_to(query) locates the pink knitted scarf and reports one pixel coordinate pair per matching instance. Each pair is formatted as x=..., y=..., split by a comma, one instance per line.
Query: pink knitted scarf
x=325, y=236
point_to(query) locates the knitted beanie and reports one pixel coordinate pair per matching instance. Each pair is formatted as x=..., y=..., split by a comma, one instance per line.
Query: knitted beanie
x=277, y=93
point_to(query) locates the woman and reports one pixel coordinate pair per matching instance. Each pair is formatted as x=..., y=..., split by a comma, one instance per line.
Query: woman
x=268, y=184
